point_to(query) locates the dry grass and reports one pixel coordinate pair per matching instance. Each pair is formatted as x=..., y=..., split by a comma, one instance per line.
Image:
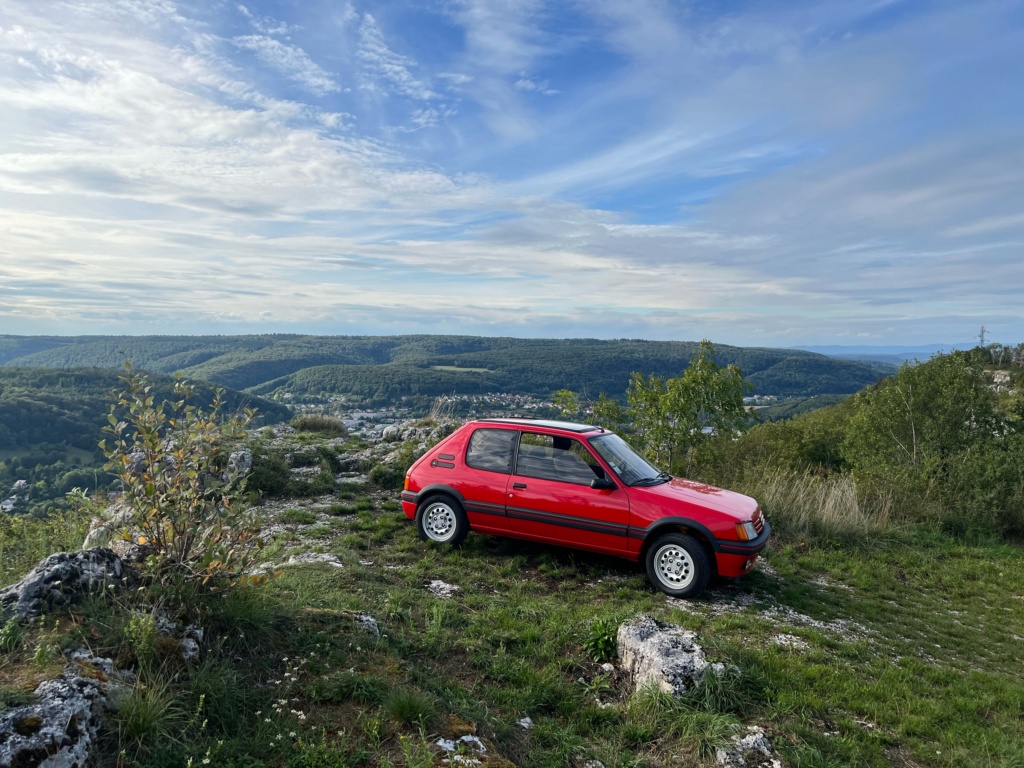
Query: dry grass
x=831, y=507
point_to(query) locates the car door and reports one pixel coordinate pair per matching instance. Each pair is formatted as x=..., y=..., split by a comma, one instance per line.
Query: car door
x=550, y=498
x=485, y=477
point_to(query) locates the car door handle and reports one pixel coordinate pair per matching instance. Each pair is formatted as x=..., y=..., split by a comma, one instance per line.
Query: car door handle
x=518, y=485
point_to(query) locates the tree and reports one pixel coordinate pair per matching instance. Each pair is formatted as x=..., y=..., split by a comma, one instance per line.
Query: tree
x=568, y=403
x=183, y=492
x=917, y=424
x=672, y=416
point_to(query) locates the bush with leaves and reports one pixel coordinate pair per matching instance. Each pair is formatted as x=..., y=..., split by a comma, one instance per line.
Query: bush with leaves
x=184, y=495
x=671, y=417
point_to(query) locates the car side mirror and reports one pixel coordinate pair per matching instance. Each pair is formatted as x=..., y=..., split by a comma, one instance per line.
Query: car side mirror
x=603, y=484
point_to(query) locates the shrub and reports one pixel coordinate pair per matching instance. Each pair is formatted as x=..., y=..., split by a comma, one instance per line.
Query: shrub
x=388, y=476
x=183, y=494
x=319, y=422
x=270, y=475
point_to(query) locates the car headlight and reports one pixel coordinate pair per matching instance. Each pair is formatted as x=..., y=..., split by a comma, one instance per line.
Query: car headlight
x=746, y=531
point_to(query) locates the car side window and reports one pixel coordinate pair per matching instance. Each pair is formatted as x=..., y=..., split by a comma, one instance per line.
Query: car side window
x=556, y=458
x=491, y=449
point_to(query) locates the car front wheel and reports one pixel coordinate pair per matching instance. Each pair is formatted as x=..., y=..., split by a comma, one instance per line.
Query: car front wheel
x=442, y=519
x=678, y=565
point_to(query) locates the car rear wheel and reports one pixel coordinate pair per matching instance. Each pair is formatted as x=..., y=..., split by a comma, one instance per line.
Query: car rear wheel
x=678, y=565
x=442, y=519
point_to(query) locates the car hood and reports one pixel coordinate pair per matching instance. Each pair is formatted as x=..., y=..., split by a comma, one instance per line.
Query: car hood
x=730, y=503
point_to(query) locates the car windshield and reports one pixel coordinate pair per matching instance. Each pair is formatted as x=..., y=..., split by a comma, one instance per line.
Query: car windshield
x=631, y=468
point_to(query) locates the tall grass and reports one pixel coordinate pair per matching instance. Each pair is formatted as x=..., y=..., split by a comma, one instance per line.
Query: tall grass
x=24, y=541
x=831, y=507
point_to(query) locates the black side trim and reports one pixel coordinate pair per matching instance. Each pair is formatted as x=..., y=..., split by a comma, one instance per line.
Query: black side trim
x=726, y=546
x=446, y=456
x=409, y=496
x=568, y=521
x=485, y=508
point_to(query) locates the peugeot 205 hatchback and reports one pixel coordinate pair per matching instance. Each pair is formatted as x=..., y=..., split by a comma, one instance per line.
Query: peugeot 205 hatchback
x=580, y=486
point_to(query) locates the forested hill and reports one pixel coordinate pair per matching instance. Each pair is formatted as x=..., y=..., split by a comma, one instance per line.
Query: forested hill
x=43, y=405
x=381, y=367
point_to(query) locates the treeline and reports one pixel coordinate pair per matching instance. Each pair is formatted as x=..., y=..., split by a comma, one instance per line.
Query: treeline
x=399, y=366
x=940, y=441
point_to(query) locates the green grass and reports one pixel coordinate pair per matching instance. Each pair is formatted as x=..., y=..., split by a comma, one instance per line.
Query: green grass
x=298, y=516
x=24, y=541
x=906, y=651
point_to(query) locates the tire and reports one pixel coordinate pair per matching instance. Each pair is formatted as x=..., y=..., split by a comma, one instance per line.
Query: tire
x=678, y=565
x=442, y=519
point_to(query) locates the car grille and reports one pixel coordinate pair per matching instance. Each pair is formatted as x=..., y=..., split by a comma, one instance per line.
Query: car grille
x=758, y=520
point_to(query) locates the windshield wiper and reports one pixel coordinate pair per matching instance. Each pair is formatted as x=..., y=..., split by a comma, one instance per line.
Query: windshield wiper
x=661, y=477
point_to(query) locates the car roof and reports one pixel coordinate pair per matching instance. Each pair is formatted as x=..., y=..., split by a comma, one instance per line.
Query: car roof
x=567, y=426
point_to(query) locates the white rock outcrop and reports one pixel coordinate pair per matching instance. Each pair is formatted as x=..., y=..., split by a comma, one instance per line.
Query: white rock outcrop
x=60, y=579
x=654, y=653
x=750, y=749
x=57, y=730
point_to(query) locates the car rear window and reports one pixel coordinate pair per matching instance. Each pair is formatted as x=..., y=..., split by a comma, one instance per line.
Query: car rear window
x=491, y=449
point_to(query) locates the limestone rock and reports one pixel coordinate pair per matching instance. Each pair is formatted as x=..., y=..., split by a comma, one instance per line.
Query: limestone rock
x=749, y=750
x=368, y=623
x=58, y=729
x=441, y=589
x=108, y=530
x=664, y=655
x=59, y=580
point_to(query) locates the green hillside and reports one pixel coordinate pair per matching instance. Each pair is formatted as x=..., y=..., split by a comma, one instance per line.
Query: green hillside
x=43, y=405
x=380, y=367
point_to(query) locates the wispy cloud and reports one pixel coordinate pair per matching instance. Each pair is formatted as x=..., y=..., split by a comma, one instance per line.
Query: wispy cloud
x=266, y=24
x=539, y=86
x=291, y=61
x=780, y=175
x=387, y=66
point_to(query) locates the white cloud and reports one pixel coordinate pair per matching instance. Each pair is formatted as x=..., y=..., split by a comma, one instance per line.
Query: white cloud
x=291, y=61
x=150, y=182
x=265, y=24
x=502, y=36
x=526, y=84
x=384, y=64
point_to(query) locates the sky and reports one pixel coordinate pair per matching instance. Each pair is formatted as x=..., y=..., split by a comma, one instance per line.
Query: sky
x=757, y=173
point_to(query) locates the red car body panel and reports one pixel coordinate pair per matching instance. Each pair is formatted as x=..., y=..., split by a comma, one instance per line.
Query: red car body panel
x=617, y=521
x=554, y=512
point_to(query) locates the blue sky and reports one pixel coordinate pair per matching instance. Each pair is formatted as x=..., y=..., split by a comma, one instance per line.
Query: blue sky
x=774, y=173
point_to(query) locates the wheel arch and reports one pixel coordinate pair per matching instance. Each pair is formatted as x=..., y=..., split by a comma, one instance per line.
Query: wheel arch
x=682, y=525
x=439, y=488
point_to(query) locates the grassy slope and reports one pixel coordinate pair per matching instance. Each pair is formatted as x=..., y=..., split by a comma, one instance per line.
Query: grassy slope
x=914, y=659
x=918, y=657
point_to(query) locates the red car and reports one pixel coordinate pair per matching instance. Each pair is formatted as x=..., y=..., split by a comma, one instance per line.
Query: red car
x=581, y=486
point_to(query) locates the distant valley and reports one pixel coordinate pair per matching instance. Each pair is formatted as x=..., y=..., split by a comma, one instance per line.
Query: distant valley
x=381, y=369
